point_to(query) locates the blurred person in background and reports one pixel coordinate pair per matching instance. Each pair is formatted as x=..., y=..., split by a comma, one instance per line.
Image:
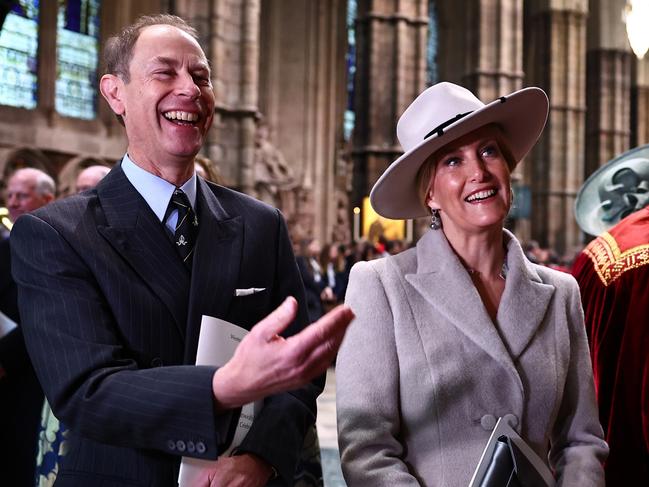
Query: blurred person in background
x=315, y=284
x=89, y=177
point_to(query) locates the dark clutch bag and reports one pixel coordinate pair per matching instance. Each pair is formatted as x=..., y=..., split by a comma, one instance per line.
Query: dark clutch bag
x=509, y=467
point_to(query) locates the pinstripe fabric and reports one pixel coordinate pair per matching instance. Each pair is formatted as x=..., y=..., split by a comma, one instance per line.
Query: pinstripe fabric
x=111, y=319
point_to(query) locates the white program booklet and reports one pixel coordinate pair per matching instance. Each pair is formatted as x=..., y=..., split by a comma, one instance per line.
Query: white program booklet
x=6, y=325
x=217, y=342
x=503, y=428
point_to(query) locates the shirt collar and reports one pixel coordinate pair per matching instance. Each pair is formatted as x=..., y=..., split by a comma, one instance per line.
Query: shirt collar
x=155, y=190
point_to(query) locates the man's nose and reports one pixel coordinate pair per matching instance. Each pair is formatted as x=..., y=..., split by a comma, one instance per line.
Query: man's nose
x=187, y=86
x=12, y=201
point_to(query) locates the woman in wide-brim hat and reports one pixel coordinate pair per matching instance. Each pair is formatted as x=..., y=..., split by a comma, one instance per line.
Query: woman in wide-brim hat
x=463, y=329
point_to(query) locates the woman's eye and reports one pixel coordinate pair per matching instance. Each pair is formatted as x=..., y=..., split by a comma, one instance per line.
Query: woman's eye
x=452, y=161
x=489, y=151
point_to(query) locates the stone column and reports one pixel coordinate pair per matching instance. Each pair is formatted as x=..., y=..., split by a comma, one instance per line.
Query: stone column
x=640, y=103
x=556, y=60
x=608, y=91
x=485, y=45
x=233, y=49
x=302, y=97
x=390, y=73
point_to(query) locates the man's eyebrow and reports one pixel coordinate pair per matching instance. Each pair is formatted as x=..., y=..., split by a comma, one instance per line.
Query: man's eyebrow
x=163, y=60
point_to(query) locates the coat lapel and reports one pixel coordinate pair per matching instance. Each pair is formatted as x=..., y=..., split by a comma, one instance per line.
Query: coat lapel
x=446, y=286
x=132, y=229
x=216, y=264
x=525, y=301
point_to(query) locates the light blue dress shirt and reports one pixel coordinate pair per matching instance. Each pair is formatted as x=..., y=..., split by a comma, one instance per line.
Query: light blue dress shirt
x=157, y=192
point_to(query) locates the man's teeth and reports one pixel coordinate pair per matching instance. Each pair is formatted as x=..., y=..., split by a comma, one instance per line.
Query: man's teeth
x=184, y=116
x=481, y=195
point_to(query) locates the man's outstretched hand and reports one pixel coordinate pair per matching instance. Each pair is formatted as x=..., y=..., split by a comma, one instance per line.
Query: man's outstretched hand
x=265, y=363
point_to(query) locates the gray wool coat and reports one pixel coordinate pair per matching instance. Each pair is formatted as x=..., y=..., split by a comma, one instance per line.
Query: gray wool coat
x=423, y=372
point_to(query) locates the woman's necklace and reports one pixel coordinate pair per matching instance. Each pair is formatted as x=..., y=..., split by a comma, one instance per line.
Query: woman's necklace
x=475, y=273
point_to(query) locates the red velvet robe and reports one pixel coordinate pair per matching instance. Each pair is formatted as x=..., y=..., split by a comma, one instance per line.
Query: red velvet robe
x=613, y=274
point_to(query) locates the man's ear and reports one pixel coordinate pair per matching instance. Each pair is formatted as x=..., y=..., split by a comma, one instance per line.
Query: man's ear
x=111, y=89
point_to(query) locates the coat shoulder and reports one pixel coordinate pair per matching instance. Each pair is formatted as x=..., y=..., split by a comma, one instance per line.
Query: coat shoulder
x=239, y=202
x=559, y=279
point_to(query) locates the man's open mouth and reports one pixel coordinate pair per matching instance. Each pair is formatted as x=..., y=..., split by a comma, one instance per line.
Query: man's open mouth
x=181, y=118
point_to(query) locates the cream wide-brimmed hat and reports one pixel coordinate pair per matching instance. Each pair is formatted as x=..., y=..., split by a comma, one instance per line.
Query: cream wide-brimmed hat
x=614, y=191
x=441, y=114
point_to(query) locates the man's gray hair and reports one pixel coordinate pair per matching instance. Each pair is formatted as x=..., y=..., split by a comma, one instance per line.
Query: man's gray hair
x=43, y=182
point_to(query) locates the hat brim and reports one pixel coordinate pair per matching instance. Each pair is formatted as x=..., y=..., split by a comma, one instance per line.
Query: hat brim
x=588, y=211
x=521, y=116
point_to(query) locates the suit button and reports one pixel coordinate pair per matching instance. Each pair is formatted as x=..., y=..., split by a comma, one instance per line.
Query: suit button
x=156, y=362
x=488, y=421
x=200, y=447
x=171, y=444
x=511, y=419
x=191, y=448
x=180, y=446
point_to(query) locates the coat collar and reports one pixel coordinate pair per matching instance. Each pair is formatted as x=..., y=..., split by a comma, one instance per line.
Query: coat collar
x=444, y=283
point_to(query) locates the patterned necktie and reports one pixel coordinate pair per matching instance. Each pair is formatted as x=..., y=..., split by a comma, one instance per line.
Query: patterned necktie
x=186, y=226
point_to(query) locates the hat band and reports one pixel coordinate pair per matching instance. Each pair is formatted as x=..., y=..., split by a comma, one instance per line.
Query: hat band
x=440, y=128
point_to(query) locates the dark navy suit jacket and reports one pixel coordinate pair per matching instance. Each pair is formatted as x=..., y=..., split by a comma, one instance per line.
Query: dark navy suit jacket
x=111, y=319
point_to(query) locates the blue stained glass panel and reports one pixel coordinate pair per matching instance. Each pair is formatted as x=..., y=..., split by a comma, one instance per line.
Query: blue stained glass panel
x=18, y=55
x=77, y=51
x=350, y=115
x=432, y=45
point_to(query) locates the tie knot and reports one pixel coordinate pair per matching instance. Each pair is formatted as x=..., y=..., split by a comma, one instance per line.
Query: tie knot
x=180, y=199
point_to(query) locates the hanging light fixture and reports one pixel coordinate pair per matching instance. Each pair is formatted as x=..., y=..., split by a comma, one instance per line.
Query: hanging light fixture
x=636, y=17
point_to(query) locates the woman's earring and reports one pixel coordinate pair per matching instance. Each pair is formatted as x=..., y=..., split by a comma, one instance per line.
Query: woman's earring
x=435, y=220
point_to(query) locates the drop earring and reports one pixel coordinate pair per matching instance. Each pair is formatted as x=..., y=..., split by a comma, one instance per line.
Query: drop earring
x=435, y=220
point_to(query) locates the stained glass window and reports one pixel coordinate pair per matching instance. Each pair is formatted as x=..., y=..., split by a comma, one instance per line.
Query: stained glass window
x=18, y=55
x=431, y=48
x=77, y=47
x=350, y=117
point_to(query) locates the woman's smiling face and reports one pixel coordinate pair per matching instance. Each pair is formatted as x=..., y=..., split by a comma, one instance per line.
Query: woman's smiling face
x=470, y=183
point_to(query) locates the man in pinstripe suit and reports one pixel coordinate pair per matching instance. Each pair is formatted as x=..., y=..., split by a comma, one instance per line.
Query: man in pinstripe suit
x=111, y=296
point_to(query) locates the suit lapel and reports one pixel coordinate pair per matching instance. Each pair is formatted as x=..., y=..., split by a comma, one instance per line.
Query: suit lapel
x=525, y=300
x=132, y=229
x=216, y=264
x=447, y=287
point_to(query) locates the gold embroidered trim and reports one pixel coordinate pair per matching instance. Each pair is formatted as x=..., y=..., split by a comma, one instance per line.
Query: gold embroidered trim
x=610, y=263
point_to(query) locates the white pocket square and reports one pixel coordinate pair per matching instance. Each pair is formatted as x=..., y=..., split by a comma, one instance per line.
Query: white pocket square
x=248, y=291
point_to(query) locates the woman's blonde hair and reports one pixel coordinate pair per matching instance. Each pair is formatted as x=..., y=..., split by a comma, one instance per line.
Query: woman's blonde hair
x=426, y=172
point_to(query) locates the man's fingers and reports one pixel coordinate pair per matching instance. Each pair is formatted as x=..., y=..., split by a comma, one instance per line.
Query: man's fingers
x=326, y=328
x=277, y=321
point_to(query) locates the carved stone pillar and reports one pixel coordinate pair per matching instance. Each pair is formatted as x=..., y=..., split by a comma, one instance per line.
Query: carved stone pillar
x=608, y=92
x=640, y=103
x=390, y=73
x=233, y=49
x=485, y=45
x=555, y=60
x=302, y=96
x=609, y=102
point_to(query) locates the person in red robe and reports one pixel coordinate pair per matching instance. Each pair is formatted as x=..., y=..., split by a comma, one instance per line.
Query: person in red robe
x=613, y=275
